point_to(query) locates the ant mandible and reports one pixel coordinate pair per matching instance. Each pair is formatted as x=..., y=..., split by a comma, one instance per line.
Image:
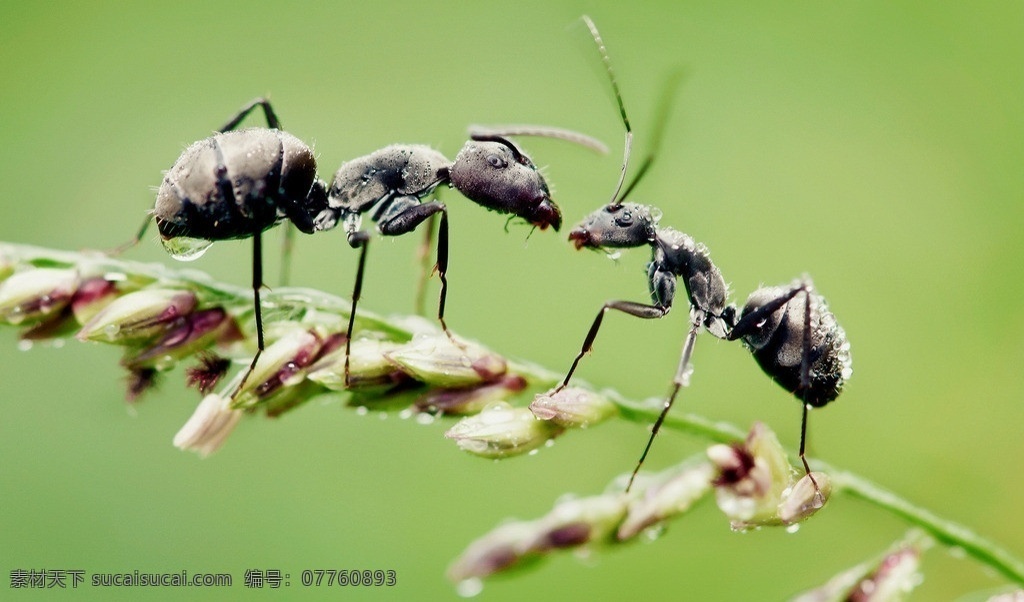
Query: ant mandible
x=797, y=342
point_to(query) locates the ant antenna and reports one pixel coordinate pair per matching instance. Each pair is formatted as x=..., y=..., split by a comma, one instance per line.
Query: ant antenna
x=498, y=134
x=668, y=93
x=614, y=202
x=500, y=139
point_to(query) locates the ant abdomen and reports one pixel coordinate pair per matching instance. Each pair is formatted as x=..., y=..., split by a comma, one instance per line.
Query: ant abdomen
x=234, y=184
x=793, y=333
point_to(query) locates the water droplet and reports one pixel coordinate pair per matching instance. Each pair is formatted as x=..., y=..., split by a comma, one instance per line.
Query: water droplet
x=362, y=411
x=24, y=345
x=424, y=418
x=111, y=330
x=16, y=315
x=793, y=528
x=184, y=248
x=164, y=363
x=470, y=587
x=652, y=533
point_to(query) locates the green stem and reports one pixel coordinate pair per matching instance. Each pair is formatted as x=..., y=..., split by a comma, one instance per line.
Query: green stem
x=309, y=302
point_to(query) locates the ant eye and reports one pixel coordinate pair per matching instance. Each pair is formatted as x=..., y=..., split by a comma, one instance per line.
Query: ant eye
x=625, y=220
x=496, y=162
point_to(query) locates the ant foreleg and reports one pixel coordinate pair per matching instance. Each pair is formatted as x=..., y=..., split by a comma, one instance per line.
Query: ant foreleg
x=639, y=310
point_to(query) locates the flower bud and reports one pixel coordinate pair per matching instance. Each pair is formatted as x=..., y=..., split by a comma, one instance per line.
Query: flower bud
x=186, y=336
x=502, y=548
x=209, y=426
x=92, y=296
x=34, y=295
x=368, y=366
x=805, y=498
x=572, y=407
x=752, y=478
x=438, y=362
x=138, y=316
x=570, y=524
x=888, y=578
x=281, y=365
x=672, y=496
x=6, y=267
x=500, y=431
x=470, y=400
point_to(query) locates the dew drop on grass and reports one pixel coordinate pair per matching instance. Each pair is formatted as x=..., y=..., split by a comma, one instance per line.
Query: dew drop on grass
x=651, y=534
x=469, y=588
x=15, y=316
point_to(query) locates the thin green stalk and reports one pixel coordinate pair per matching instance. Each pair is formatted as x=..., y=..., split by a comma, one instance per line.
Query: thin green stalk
x=314, y=306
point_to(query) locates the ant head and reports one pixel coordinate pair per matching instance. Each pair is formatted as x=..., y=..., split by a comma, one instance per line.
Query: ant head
x=615, y=225
x=493, y=172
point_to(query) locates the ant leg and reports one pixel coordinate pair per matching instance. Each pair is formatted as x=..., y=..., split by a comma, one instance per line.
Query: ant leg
x=681, y=379
x=268, y=112
x=423, y=255
x=287, y=242
x=805, y=384
x=257, y=283
x=403, y=216
x=360, y=240
x=749, y=322
x=640, y=310
x=442, y=269
x=121, y=248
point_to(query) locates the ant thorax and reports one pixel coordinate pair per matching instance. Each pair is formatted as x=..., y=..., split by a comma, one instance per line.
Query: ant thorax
x=679, y=254
x=396, y=170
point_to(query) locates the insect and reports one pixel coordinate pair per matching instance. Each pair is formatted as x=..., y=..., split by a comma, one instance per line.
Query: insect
x=393, y=185
x=789, y=330
x=234, y=185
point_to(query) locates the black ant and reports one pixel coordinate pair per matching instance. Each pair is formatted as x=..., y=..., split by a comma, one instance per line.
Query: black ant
x=270, y=175
x=236, y=184
x=797, y=342
x=391, y=184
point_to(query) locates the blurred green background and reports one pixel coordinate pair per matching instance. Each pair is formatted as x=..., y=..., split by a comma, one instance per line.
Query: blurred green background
x=876, y=146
